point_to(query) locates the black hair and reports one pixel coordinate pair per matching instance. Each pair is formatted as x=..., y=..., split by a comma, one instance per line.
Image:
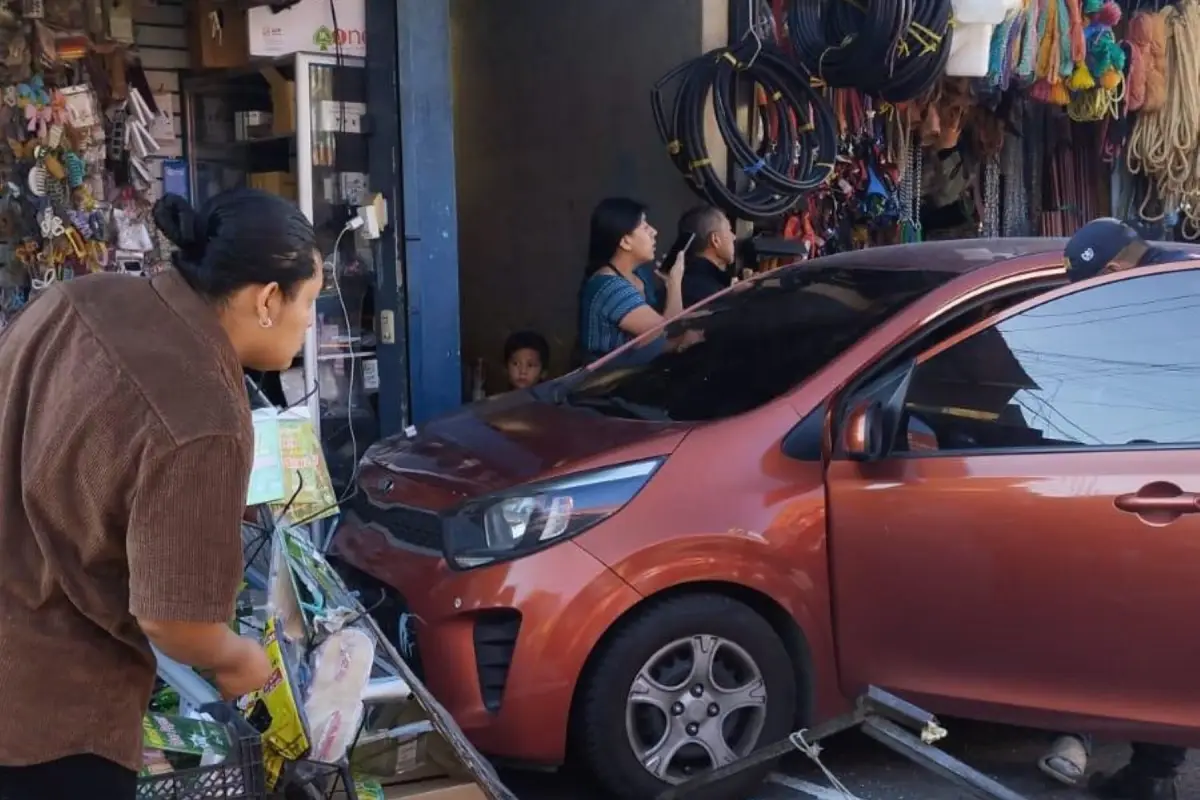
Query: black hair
x=240, y=237
x=613, y=219
x=701, y=221
x=528, y=340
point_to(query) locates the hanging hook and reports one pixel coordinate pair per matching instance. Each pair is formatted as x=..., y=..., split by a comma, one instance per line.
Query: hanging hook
x=752, y=18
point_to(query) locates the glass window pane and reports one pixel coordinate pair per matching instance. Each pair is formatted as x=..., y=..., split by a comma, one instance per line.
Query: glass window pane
x=1113, y=365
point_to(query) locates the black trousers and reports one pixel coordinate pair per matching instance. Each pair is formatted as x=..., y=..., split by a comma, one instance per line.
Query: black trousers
x=1157, y=760
x=71, y=778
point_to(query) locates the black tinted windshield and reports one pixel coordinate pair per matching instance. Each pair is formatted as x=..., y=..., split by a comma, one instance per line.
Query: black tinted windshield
x=751, y=345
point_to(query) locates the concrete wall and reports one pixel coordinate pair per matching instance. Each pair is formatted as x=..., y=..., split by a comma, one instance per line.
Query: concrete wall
x=552, y=113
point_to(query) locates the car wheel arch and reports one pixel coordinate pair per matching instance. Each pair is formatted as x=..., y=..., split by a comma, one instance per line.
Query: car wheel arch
x=794, y=639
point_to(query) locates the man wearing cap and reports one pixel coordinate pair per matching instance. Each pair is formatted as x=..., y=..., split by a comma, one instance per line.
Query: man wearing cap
x=1109, y=245
x=1104, y=246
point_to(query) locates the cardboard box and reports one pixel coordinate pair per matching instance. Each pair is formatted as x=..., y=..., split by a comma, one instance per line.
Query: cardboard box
x=440, y=789
x=427, y=756
x=222, y=45
x=283, y=102
x=307, y=27
x=278, y=183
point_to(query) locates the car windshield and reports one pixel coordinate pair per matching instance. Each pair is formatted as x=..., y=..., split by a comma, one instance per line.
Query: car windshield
x=750, y=345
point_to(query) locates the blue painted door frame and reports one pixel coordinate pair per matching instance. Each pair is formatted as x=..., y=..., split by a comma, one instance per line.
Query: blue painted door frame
x=412, y=164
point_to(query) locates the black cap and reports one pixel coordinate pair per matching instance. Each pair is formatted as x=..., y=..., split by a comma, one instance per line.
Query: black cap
x=1095, y=245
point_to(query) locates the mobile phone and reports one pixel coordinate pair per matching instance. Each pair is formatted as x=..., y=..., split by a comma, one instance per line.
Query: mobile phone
x=680, y=245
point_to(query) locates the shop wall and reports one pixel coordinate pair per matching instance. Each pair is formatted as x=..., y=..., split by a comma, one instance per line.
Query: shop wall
x=161, y=38
x=552, y=113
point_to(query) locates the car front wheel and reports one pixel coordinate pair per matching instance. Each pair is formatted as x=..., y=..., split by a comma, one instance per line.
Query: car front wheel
x=690, y=683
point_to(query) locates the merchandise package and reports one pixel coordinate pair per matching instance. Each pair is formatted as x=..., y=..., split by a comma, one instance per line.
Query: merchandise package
x=182, y=742
x=308, y=489
x=341, y=670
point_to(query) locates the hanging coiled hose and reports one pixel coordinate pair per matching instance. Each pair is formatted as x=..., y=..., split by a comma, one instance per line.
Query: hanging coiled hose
x=891, y=49
x=794, y=158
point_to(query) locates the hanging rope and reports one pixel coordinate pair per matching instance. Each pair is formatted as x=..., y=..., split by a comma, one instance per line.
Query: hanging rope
x=1165, y=143
x=1148, y=39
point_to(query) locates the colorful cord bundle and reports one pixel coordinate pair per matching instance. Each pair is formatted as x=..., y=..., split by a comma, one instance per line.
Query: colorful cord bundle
x=1062, y=48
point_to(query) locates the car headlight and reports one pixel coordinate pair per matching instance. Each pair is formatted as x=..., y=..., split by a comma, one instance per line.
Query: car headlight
x=516, y=523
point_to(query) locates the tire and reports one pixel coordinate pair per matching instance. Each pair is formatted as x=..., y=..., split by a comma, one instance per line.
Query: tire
x=619, y=708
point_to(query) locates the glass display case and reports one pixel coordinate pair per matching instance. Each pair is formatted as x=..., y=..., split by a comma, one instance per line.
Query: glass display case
x=296, y=127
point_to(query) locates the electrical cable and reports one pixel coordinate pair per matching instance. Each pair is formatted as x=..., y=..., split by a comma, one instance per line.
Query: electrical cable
x=783, y=167
x=352, y=486
x=894, y=50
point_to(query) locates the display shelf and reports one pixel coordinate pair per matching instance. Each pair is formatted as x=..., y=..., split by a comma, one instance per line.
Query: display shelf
x=321, y=145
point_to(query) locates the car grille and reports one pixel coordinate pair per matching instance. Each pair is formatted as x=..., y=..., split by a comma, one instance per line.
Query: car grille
x=495, y=640
x=411, y=526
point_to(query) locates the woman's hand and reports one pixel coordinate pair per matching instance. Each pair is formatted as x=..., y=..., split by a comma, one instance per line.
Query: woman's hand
x=247, y=670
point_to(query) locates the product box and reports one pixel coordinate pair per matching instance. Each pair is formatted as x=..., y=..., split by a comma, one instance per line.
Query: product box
x=308, y=27
x=251, y=125
x=283, y=102
x=278, y=183
x=218, y=42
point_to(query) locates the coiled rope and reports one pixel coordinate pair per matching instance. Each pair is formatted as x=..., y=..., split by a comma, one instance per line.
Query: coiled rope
x=798, y=148
x=1165, y=143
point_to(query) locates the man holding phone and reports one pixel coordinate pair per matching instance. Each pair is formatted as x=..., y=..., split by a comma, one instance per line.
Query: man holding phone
x=709, y=267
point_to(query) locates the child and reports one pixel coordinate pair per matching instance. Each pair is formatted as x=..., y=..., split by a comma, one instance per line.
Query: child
x=526, y=359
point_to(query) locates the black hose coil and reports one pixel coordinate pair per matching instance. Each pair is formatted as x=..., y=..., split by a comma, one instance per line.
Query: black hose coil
x=891, y=49
x=781, y=169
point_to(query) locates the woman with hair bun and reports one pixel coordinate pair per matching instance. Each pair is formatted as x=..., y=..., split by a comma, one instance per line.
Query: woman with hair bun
x=125, y=451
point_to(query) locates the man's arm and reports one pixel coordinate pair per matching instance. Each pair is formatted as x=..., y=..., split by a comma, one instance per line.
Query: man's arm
x=184, y=547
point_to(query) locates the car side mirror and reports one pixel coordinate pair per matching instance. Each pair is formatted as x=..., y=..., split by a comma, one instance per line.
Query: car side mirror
x=863, y=435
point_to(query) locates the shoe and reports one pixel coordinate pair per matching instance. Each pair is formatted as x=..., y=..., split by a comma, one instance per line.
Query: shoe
x=1066, y=761
x=1129, y=784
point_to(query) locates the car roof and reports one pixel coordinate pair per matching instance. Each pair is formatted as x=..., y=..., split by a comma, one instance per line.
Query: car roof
x=955, y=255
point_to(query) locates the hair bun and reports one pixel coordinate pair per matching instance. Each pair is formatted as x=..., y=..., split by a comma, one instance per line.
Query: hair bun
x=176, y=218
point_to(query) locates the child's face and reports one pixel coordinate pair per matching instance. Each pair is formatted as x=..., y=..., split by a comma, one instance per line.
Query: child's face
x=525, y=368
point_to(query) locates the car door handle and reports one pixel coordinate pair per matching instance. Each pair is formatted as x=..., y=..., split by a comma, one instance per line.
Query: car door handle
x=1182, y=503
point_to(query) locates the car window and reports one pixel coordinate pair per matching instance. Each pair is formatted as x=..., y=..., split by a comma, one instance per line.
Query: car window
x=751, y=345
x=1112, y=365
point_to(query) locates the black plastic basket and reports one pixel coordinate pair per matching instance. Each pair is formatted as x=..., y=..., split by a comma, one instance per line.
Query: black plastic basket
x=239, y=777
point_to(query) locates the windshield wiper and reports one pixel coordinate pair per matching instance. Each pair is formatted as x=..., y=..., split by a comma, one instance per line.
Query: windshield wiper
x=621, y=406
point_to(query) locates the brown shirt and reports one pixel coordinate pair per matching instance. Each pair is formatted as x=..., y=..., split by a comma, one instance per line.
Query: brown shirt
x=125, y=452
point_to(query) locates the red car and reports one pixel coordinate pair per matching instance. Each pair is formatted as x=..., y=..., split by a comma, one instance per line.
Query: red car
x=933, y=468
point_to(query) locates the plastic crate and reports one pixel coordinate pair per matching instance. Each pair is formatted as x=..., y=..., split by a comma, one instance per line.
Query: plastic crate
x=238, y=777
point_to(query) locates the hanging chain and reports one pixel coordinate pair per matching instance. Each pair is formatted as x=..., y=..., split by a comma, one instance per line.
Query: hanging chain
x=918, y=165
x=904, y=190
x=991, y=198
x=1015, y=207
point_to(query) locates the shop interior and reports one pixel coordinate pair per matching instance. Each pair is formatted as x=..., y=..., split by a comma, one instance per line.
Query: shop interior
x=985, y=139
x=182, y=97
x=995, y=128
x=107, y=105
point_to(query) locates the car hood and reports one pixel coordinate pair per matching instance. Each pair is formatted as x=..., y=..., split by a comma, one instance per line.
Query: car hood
x=504, y=442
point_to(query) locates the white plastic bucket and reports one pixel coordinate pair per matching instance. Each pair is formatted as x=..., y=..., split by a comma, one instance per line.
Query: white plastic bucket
x=970, y=50
x=980, y=12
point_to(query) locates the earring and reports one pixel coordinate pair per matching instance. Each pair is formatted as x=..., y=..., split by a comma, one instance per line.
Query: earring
x=265, y=322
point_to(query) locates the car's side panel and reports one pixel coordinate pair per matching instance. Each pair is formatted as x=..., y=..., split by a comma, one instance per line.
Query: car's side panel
x=1032, y=565
x=729, y=507
x=1011, y=588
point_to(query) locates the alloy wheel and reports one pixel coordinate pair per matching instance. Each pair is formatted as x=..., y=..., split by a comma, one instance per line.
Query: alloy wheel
x=699, y=702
